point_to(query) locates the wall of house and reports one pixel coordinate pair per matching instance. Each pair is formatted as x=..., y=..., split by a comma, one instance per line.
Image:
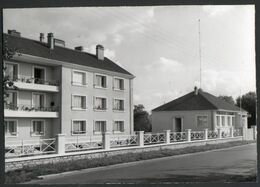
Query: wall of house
x=89, y=114
x=24, y=127
x=165, y=120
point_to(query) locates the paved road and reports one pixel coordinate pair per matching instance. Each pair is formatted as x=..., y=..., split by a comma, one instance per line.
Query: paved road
x=213, y=166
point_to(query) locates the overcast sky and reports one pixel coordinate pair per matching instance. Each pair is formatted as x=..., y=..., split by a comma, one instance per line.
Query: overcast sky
x=159, y=45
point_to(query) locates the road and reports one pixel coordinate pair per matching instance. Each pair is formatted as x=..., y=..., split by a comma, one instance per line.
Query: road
x=215, y=166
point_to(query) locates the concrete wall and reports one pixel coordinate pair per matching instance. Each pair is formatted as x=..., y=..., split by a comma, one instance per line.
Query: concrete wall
x=89, y=114
x=165, y=120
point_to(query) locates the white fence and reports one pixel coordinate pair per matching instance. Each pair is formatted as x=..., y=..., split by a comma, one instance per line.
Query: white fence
x=82, y=143
x=63, y=145
x=29, y=147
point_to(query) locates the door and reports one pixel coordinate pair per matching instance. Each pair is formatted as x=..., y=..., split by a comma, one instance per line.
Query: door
x=39, y=75
x=38, y=100
x=178, y=125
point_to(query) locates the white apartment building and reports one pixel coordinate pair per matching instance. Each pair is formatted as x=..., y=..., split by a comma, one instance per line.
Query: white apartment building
x=64, y=91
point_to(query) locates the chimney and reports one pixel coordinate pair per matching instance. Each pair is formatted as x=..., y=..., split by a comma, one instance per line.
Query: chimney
x=79, y=48
x=50, y=40
x=14, y=33
x=196, y=91
x=100, y=52
x=41, y=37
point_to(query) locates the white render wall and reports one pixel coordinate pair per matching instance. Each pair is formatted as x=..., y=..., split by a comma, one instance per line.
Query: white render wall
x=164, y=120
x=63, y=123
x=89, y=114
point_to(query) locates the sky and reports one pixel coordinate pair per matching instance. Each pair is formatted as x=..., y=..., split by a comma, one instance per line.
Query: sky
x=158, y=44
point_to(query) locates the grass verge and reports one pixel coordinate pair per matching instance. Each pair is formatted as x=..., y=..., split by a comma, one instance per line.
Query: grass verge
x=29, y=173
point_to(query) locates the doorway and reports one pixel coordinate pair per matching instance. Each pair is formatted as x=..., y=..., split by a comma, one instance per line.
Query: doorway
x=178, y=124
x=39, y=75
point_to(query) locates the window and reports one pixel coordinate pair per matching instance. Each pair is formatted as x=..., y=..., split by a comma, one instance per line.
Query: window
x=118, y=104
x=229, y=120
x=79, y=78
x=202, y=121
x=100, y=103
x=118, y=84
x=218, y=120
x=100, y=126
x=10, y=128
x=79, y=127
x=11, y=71
x=233, y=121
x=78, y=102
x=38, y=128
x=38, y=100
x=101, y=81
x=11, y=101
x=118, y=126
x=223, y=120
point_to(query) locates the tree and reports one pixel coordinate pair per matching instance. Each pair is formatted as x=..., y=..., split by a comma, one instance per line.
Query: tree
x=228, y=99
x=248, y=103
x=142, y=121
x=7, y=55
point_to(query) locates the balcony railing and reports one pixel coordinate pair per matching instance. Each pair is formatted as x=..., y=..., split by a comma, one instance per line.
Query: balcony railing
x=33, y=80
x=30, y=108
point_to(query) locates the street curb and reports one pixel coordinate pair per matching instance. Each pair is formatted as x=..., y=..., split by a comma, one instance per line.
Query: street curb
x=87, y=170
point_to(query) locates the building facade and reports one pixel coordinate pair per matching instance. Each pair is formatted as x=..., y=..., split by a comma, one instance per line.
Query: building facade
x=198, y=110
x=64, y=91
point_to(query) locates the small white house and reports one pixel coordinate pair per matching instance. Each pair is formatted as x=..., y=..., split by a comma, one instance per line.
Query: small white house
x=198, y=110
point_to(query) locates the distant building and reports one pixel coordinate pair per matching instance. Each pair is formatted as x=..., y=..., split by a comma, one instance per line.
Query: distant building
x=198, y=110
x=64, y=91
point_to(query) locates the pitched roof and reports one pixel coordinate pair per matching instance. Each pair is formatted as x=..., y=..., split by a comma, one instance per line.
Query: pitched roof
x=40, y=49
x=201, y=101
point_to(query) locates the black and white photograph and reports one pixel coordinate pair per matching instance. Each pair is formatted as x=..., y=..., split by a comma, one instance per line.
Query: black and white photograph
x=130, y=94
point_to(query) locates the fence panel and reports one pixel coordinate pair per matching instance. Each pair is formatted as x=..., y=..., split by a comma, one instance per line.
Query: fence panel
x=123, y=140
x=29, y=147
x=237, y=132
x=82, y=143
x=212, y=134
x=197, y=135
x=178, y=136
x=154, y=138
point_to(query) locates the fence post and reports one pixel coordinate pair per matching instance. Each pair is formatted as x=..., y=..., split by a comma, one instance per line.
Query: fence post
x=254, y=132
x=167, y=136
x=244, y=133
x=60, y=144
x=188, y=135
x=219, y=133
x=106, y=140
x=231, y=132
x=140, y=138
x=205, y=134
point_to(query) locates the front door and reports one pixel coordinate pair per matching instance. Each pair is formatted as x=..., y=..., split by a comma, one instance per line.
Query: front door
x=178, y=124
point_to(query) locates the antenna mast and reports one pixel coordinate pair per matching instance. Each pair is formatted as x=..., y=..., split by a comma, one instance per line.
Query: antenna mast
x=199, y=50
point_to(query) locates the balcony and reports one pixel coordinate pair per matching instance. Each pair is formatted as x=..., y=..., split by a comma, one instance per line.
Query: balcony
x=31, y=83
x=30, y=111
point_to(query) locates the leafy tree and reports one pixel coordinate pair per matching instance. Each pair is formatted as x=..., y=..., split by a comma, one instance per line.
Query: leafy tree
x=228, y=99
x=248, y=103
x=142, y=121
x=7, y=55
